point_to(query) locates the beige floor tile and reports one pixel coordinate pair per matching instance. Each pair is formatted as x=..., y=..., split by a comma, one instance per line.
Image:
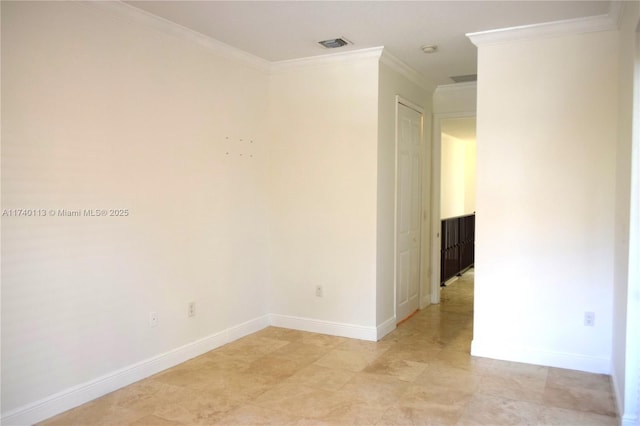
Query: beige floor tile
x=560, y=378
x=377, y=348
x=420, y=374
x=275, y=368
x=421, y=416
x=553, y=416
x=404, y=370
x=302, y=351
x=421, y=396
x=320, y=377
x=145, y=396
x=279, y=333
x=515, y=384
x=251, y=348
x=346, y=360
x=96, y=413
x=413, y=352
x=256, y=415
x=323, y=340
x=353, y=413
x=187, y=375
x=304, y=402
x=493, y=410
x=465, y=361
x=153, y=421
x=375, y=388
x=580, y=399
x=442, y=375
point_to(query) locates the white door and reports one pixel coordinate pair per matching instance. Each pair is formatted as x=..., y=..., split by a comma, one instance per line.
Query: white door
x=408, y=208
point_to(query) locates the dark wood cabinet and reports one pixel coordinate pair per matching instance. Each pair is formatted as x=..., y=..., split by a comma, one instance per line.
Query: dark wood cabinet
x=457, y=245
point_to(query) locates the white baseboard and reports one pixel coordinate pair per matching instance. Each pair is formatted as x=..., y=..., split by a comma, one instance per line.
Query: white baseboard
x=617, y=392
x=541, y=357
x=85, y=392
x=386, y=327
x=425, y=301
x=451, y=280
x=325, y=327
x=625, y=418
x=248, y=327
x=629, y=421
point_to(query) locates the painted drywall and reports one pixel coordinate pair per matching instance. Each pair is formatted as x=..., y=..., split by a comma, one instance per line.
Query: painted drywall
x=452, y=182
x=323, y=168
x=546, y=160
x=457, y=180
x=455, y=98
x=392, y=83
x=103, y=113
x=624, y=352
x=471, y=149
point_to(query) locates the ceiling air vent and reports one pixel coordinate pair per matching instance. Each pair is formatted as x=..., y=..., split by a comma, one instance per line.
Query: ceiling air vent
x=464, y=78
x=334, y=42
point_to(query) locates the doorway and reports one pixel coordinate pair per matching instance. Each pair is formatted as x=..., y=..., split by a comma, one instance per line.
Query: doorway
x=453, y=165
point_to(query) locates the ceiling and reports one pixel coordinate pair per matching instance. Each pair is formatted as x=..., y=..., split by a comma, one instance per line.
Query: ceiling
x=283, y=30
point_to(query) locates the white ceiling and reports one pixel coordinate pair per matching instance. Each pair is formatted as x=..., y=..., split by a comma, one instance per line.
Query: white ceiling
x=282, y=30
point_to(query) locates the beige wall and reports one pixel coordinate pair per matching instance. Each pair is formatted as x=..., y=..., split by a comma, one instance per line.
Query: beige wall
x=100, y=113
x=323, y=125
x=546, y=159
x=457, y=180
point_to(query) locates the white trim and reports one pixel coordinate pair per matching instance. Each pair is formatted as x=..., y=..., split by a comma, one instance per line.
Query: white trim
x=607, y=22
x=322, y=60
x=324, y=327
x=133, y=14
x=246, y=328
x=629, y=420
x=617, y=398
x=88, y=391
x=405, y=70
x=417, y=108
x=631, y=414
x=386, y=327
x=454, y=87
x=406, y=102
x=451, y=280
x=536, y=356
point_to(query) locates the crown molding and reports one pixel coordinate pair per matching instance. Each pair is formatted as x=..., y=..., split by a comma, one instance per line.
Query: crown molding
x=607, y=22
x=322, y=60
x=119, y=9
x=456, y=87
x=405, y=70
x=132, y=14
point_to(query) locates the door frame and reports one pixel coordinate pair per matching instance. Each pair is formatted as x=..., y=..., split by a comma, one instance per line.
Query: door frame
x=631, y=404
x=436, y=176
x=399, y=100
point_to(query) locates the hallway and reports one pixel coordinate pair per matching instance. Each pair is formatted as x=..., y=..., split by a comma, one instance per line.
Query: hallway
x=421, y=373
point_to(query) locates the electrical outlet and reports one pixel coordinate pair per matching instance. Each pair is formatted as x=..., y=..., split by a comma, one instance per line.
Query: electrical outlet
x=589, y=319
x=192, y=309
x=318, y=291
x=153, y=319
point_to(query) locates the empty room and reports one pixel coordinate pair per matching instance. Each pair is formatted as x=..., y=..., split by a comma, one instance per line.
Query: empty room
x=232, y=212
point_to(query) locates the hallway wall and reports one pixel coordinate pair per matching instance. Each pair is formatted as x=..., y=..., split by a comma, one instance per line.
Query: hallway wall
x=545, y=199
x=626, y=300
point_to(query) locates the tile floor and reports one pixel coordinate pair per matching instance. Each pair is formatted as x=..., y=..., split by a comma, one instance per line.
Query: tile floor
x=421, y=373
